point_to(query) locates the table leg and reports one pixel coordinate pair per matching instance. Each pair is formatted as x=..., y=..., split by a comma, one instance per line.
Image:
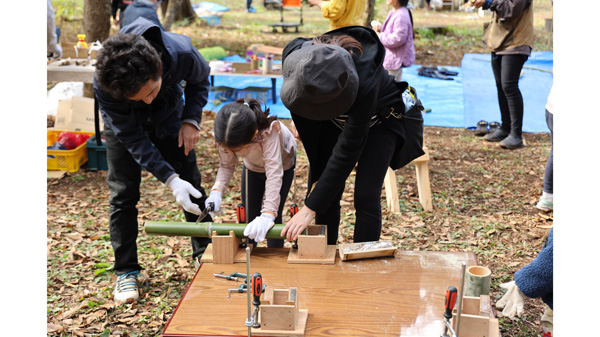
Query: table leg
x=212, y=80
x=273, y=89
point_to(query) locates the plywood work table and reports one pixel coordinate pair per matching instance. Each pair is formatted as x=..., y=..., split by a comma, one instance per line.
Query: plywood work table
x=394, y=296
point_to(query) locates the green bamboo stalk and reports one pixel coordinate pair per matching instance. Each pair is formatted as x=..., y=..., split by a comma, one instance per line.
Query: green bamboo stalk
x=203, y=229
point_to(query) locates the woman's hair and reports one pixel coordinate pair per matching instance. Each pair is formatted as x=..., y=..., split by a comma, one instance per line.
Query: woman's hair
x=345, y=41
x=403, y=3
x=237, y=122
x=125, y=63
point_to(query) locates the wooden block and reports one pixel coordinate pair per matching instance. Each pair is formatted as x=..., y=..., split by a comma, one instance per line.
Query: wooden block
x=313, y=245
x=391, y=191
x=299, y=331
x=280, y=312
x=472, y=326
x=484, y=306
x=224, y=247
x=423, y=185
x=476, y=318
x=470, y=305
x=366, y=250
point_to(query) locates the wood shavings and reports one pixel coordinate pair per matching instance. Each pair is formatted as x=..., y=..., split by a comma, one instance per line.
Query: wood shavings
x=365, y=246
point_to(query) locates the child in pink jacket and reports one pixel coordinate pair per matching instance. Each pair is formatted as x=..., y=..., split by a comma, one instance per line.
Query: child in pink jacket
x=396, y=35
x=268, y=150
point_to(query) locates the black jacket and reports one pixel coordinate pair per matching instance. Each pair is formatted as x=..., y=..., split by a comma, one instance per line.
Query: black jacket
x=131, y=120
x=331, y=163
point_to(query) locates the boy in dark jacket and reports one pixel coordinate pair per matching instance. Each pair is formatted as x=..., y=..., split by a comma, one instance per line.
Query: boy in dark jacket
x=149, y=124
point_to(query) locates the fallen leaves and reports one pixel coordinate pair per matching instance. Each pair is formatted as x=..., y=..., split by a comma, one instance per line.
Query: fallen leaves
x=474, y=211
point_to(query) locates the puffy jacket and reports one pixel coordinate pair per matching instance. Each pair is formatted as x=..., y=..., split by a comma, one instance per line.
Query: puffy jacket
x=535, y=280
x=131, y=121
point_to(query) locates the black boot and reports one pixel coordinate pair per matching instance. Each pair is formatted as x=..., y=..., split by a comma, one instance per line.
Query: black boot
x=496, y=136
x=512, y=142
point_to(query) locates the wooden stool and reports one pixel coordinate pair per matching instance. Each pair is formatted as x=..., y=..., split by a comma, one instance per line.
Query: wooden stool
x=424, y=187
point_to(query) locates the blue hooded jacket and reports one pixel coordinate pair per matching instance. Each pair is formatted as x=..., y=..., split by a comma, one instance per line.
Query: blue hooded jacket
x=536, y=279
x=139, y=9
x=131, y=121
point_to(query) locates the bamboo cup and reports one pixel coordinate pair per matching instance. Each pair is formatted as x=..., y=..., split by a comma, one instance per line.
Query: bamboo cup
x=477, y=281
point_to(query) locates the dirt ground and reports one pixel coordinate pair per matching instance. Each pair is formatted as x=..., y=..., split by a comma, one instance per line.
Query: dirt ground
x=483, y=196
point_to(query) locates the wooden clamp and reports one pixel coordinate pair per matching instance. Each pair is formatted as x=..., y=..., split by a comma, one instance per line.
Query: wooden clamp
x=312, y=247
x=224, y=249
x=281, y=315
x=476, y=318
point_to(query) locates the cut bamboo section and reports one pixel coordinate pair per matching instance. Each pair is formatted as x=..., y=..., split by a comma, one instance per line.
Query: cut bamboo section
x=477, y=281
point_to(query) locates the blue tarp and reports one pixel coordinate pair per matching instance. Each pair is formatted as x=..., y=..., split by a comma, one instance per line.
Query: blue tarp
x=213, y=7
x=481, y=96
x=470, y=97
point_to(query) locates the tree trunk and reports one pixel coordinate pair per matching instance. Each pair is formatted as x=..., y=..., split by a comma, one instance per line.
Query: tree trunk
x=370, y=12
x=96, y=25
x=176, y=10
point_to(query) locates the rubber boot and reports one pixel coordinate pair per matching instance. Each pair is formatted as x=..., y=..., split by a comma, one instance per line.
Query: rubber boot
x=497, y=135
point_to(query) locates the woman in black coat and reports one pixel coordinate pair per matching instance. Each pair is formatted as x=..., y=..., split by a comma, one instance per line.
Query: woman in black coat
x=348, y=112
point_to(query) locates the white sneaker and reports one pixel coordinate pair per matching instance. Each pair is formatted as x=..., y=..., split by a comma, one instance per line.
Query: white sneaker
x=126, y=289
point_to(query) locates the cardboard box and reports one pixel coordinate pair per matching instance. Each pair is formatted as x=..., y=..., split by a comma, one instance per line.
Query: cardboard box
x=70, y=50
x=76, y=114
x=258, y=93
x=261, y=50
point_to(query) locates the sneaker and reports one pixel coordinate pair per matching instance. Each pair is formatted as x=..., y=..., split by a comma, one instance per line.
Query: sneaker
x=545, y=204
x=126, y=289
x=496, y=136
x=511, y=142
x=482, y=128
x=251, y=10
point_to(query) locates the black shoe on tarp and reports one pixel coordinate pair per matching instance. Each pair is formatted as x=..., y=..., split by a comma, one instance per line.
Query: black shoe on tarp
x=494, y=126
x=482, y=128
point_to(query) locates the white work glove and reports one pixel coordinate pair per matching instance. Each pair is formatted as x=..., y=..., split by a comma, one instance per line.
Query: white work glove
x=215, y=198
x=258, y=228
x=512, y=301
x=56, y=51
x=182, y=191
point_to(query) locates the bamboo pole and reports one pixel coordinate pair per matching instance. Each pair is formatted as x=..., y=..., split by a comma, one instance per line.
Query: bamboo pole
x=203, y=229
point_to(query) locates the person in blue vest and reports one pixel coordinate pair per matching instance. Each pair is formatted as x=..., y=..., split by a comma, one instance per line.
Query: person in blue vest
x=141, y=8
x=149, y=125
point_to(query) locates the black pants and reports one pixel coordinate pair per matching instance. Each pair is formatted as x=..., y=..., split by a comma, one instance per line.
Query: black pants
x=124, y=176
x=253, y=191
x=370, y=173
x=507, y=69
x=549, y=172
